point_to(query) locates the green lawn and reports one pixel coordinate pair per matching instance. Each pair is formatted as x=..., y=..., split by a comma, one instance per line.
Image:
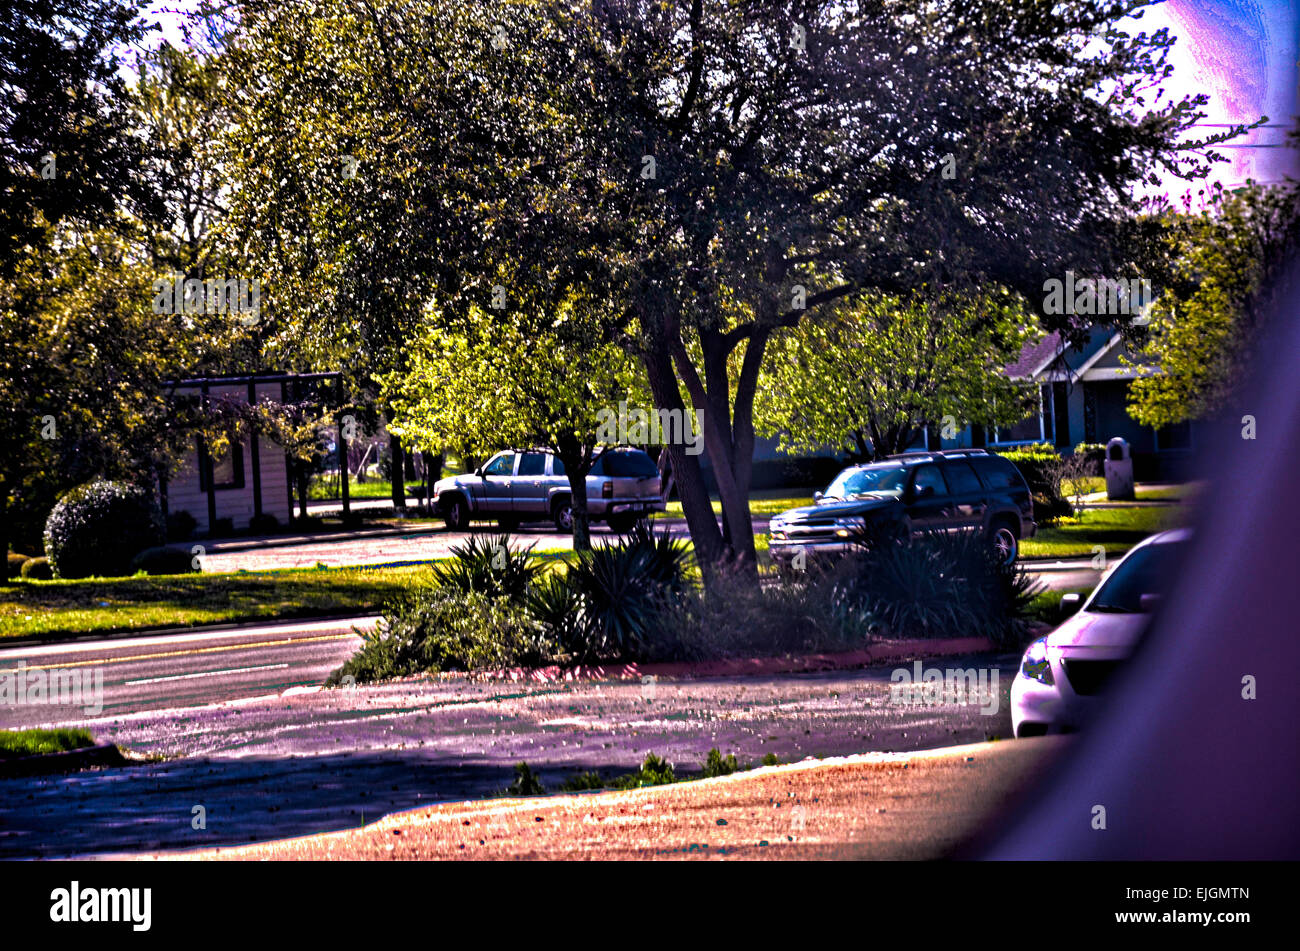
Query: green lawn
x=763, y=503
x=1117, y=530
x=14, y=743
x=107, y=605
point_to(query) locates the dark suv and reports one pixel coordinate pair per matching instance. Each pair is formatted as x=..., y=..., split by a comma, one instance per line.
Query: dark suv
x=948, y=490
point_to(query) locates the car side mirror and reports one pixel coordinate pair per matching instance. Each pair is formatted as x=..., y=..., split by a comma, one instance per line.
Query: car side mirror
x=479, y=472
x=922, y=491
x=817, y=496
x=1070, y=603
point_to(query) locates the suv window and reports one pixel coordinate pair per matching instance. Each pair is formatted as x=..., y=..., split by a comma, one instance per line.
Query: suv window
x=931, y=476
x=557, y=467
x=962, y=478
x=996, y=473
x=502, y=465
x=626, y=465
x=532, y=464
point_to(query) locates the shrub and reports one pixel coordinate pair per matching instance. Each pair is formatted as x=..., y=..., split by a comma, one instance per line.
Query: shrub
x=580, y=782
x=264, y=524
x=487, y=565
x=526, y=783
x=718, y=765
x=437, y=629
x=622, y=591
x=653, y=772
x=555, y=604
x=222, y=528
x=163, y=561
x=37, y=569
x=96, y=529
x=942, y=584
x=180, y=526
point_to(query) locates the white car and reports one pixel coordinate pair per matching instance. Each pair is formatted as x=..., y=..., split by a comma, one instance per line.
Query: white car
x=1061, y=674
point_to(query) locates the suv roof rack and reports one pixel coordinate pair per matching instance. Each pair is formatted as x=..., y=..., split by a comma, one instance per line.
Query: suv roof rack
x=938, y=453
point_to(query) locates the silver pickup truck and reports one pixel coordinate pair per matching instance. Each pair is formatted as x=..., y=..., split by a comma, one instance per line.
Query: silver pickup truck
x=530, y=486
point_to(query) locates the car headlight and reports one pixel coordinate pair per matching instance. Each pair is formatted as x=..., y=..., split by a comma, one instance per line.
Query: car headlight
x=1035, y=665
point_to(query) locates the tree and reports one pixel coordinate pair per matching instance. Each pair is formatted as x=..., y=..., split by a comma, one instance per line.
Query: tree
x=1221, y=280
x=721, y=171
x=493, y=386
x=67, y=152
x=872, y=375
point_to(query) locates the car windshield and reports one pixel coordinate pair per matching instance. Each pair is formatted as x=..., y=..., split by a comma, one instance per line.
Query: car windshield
x=1146, y=571
x=856, y=483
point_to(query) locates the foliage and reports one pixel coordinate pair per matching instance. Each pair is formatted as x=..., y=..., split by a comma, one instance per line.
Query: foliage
x=1043, y=471
x=446, y=628
x=1221, y=280
x=717, y=765
x=492, y=383
x=488, y=565
x=98, y=528
x=943, y=584
x=869, y=377
x=622, y=589
x=518, y=161
x=14, y=743
x=655, y=771
x=163, y=561
x=526, y=782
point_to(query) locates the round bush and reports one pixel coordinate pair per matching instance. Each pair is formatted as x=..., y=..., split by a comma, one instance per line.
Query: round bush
x=163, y=561
x=96, y=529
x=36, y=569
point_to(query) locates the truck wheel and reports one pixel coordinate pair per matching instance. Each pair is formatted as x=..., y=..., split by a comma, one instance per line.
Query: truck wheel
x=456, y=515
x=562, y=514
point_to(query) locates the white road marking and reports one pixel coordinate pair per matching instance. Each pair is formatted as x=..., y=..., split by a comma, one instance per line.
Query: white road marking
x=206, y=673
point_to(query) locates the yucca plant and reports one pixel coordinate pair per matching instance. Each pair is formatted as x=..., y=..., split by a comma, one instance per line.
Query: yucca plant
x=487, y=565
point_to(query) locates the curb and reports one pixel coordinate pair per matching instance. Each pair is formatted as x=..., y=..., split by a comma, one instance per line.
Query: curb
x=105, y=754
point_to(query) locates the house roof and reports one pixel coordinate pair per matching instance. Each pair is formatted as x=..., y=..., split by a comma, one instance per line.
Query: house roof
x=1035, y=356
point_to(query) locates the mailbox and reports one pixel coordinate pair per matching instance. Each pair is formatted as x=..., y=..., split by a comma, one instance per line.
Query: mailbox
x=1119, y=470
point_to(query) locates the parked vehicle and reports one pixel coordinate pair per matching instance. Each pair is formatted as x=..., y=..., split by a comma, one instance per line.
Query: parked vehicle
x=914, y=492
x=1062, y=674
x=531, y=486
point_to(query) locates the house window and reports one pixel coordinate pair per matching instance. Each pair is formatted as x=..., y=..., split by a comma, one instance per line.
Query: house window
x=1031, y=428
x=222, y=472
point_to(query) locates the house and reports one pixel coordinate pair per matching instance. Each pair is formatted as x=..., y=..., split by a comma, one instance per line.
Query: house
x=254, y=478
x=1083, y=398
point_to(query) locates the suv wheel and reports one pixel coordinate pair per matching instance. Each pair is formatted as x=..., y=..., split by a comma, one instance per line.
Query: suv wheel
x=1005, y=544
x=562, y=513
x=456, y=514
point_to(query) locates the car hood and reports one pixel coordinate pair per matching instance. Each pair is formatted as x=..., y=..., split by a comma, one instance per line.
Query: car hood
x=1088, y=629
x=453, y=482
x=837, y=509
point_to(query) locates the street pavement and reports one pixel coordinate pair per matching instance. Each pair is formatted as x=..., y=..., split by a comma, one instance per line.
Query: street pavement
x=890, y=806
x=312, y=761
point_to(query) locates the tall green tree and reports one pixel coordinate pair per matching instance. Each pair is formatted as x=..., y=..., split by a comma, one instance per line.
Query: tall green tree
x=721, y=171
x=868, y=378
x=495, y=384
x=1221, y=277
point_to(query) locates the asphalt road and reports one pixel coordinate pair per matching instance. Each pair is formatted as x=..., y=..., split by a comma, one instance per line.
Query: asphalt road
x=893, y=806
x=127, y=675
x=274, y=767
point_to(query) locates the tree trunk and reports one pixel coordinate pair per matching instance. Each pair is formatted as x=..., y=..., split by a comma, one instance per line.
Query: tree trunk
x=687, y=474
x=581, y=520
x=397, y=469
